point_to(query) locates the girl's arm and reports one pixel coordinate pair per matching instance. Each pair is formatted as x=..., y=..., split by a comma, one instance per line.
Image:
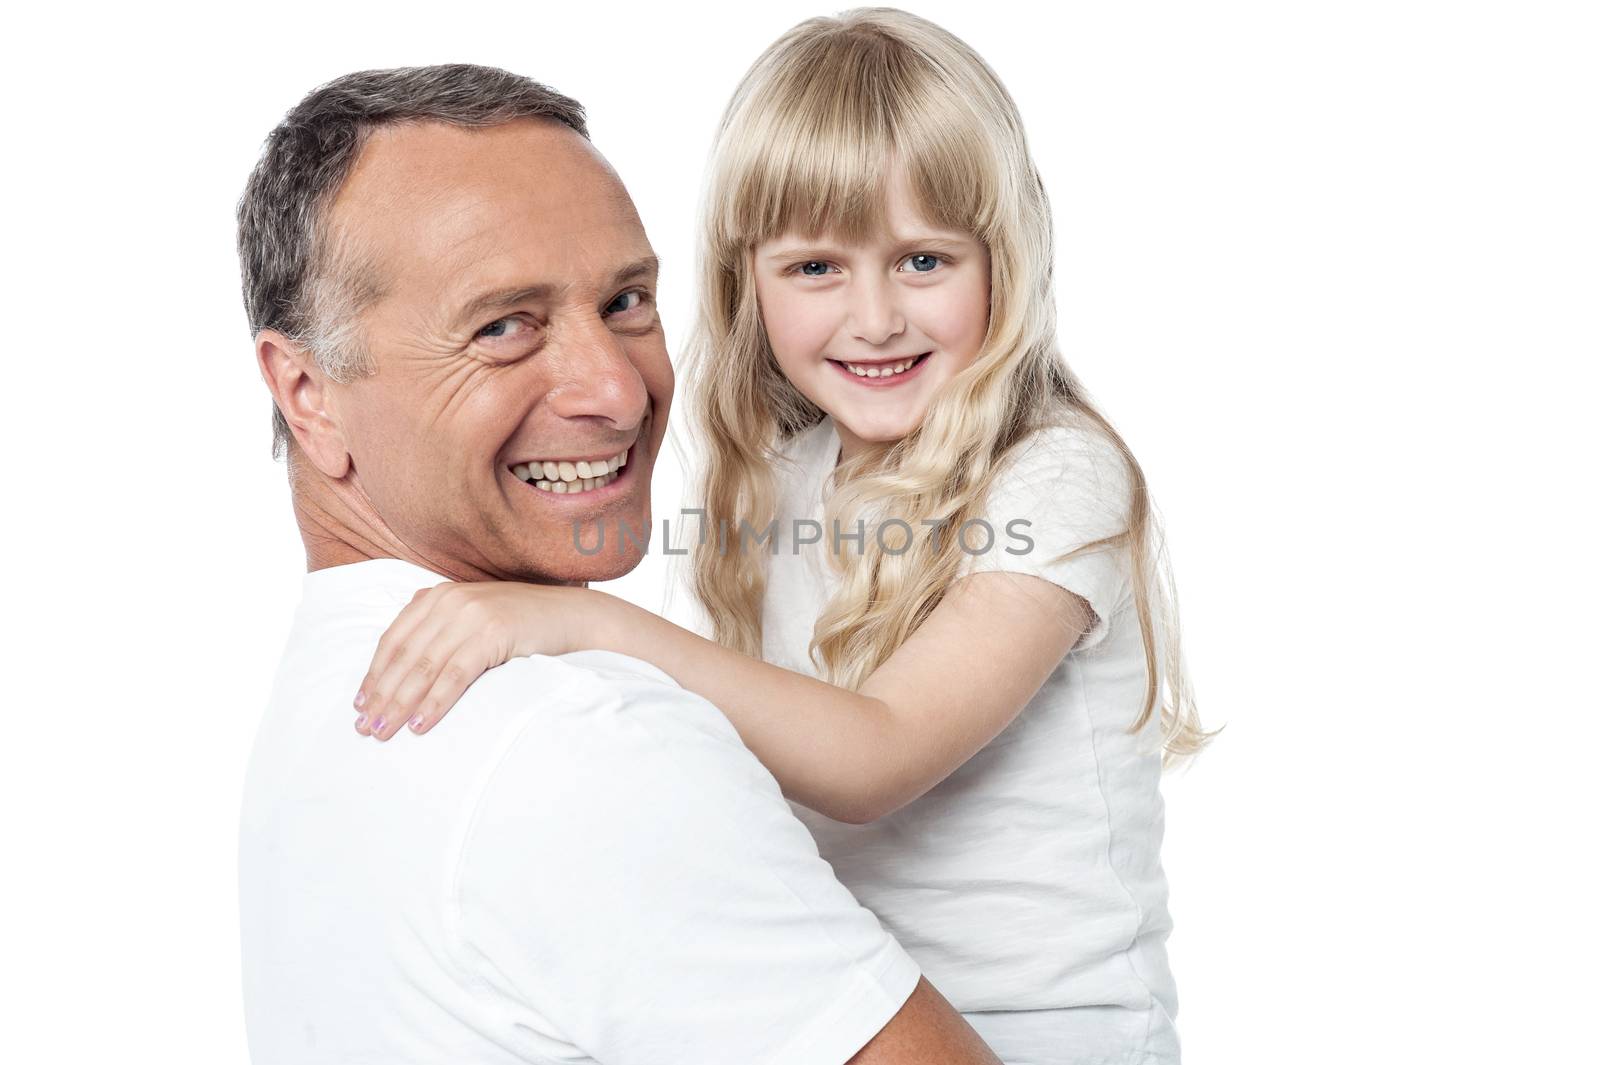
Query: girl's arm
x=960, y=679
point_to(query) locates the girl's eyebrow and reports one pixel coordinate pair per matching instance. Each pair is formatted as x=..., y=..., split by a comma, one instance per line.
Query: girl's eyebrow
x=791, y=251
x=934, y=240
x=900, y=245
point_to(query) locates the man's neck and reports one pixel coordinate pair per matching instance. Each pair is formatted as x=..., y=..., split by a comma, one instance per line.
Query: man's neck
x=339, y=527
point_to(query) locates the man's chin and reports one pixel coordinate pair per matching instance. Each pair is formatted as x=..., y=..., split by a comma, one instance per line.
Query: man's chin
x=603, y=570
x=575, y=568
x=598, y=549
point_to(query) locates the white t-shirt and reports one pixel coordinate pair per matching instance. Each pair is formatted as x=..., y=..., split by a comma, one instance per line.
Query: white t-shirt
x=581, y=863
x=1027, y=884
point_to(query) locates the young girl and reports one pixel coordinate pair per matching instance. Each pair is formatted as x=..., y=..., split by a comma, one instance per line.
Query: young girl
x=952, y=647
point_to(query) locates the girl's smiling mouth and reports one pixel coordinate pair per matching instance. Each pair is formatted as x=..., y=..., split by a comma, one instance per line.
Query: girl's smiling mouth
x=883, y=372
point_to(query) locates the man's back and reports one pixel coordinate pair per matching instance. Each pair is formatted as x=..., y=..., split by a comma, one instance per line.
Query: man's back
x=582, y=863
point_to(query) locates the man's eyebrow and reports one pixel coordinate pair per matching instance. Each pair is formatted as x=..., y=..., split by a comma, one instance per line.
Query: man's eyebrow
x=649, y=266
x=501, y=298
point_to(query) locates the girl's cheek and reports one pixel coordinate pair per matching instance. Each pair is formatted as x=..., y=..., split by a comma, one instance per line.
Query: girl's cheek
x=785, y=325
x=964, y=321
x=796, y=338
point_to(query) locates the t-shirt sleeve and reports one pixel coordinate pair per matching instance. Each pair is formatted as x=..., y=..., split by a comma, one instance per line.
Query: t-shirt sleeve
x=1065, y=488
x=633, y=882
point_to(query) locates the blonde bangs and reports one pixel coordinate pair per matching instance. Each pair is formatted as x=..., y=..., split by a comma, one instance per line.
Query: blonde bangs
x=817, y=135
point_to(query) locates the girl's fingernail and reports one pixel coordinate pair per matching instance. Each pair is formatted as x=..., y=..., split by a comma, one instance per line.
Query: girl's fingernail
x=361, y=697
x=416, y=723
x=377, y=726
x=361, y=721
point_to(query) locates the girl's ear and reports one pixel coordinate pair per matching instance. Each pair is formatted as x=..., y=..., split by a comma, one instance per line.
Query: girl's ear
x=301, y=392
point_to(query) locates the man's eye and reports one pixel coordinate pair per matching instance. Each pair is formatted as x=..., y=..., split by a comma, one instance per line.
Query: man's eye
x=626, y=302
x=923, y=264
x=502, y=327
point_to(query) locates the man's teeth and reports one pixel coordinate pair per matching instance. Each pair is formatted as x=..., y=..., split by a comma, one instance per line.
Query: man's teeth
x=569, y=478
x=884, y=370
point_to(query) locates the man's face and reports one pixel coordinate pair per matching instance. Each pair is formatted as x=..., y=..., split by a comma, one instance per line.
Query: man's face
x=516, y=337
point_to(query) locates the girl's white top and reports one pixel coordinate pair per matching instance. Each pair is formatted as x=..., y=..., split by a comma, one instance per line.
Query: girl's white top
x=1029, y=879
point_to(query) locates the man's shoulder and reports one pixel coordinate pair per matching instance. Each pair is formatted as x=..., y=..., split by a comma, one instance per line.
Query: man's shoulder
x=623, y=838
x=616, y=759
x=581, y=726
x=621, y=667
x=604, y=696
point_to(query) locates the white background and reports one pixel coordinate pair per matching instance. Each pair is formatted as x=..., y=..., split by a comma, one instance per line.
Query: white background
x=1331, y=268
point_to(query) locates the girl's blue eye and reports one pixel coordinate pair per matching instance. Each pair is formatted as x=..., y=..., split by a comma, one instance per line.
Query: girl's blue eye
x=923, y=264
x=821, y=268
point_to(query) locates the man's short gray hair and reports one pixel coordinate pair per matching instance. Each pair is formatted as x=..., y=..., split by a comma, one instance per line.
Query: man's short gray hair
x=298, y=278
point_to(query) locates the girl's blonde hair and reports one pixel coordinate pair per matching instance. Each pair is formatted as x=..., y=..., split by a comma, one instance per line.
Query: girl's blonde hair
x=806, y=146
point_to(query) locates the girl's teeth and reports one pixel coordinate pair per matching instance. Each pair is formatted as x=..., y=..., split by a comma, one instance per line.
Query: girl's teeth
x=881, y=371
x=570, y=478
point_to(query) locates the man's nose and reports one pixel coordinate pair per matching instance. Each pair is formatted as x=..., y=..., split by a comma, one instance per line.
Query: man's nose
x=875, y=316
x=599, y=378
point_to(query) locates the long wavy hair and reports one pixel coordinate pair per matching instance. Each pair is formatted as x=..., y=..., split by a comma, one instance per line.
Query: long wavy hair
x=804, y=147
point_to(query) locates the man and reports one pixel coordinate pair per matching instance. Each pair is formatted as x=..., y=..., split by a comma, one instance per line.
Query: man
x=446, y=282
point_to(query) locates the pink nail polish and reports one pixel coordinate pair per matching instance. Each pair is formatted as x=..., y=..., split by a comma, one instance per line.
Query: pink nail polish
x=377, y=726
x=361, y=698
x=416, y=723
x=361, y=721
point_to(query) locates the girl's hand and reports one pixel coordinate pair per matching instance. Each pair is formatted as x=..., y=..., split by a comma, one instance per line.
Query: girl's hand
x=445, y=639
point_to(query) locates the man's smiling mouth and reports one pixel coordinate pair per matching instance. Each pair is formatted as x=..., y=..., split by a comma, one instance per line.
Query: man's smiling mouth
x=564, y=477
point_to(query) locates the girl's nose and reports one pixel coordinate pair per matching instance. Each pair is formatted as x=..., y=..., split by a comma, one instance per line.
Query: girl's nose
x=874, y=316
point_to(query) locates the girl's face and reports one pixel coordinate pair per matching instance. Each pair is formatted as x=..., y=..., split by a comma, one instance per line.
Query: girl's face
x=869, y=331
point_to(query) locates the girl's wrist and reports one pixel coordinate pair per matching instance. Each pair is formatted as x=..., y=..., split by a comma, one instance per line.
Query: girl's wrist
x=545, y=619
x=592, y=620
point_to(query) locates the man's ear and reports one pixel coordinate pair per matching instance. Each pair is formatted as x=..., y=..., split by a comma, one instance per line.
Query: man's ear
x=301, y=391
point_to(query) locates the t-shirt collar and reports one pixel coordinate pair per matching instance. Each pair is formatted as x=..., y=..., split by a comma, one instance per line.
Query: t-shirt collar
x=383, y=576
